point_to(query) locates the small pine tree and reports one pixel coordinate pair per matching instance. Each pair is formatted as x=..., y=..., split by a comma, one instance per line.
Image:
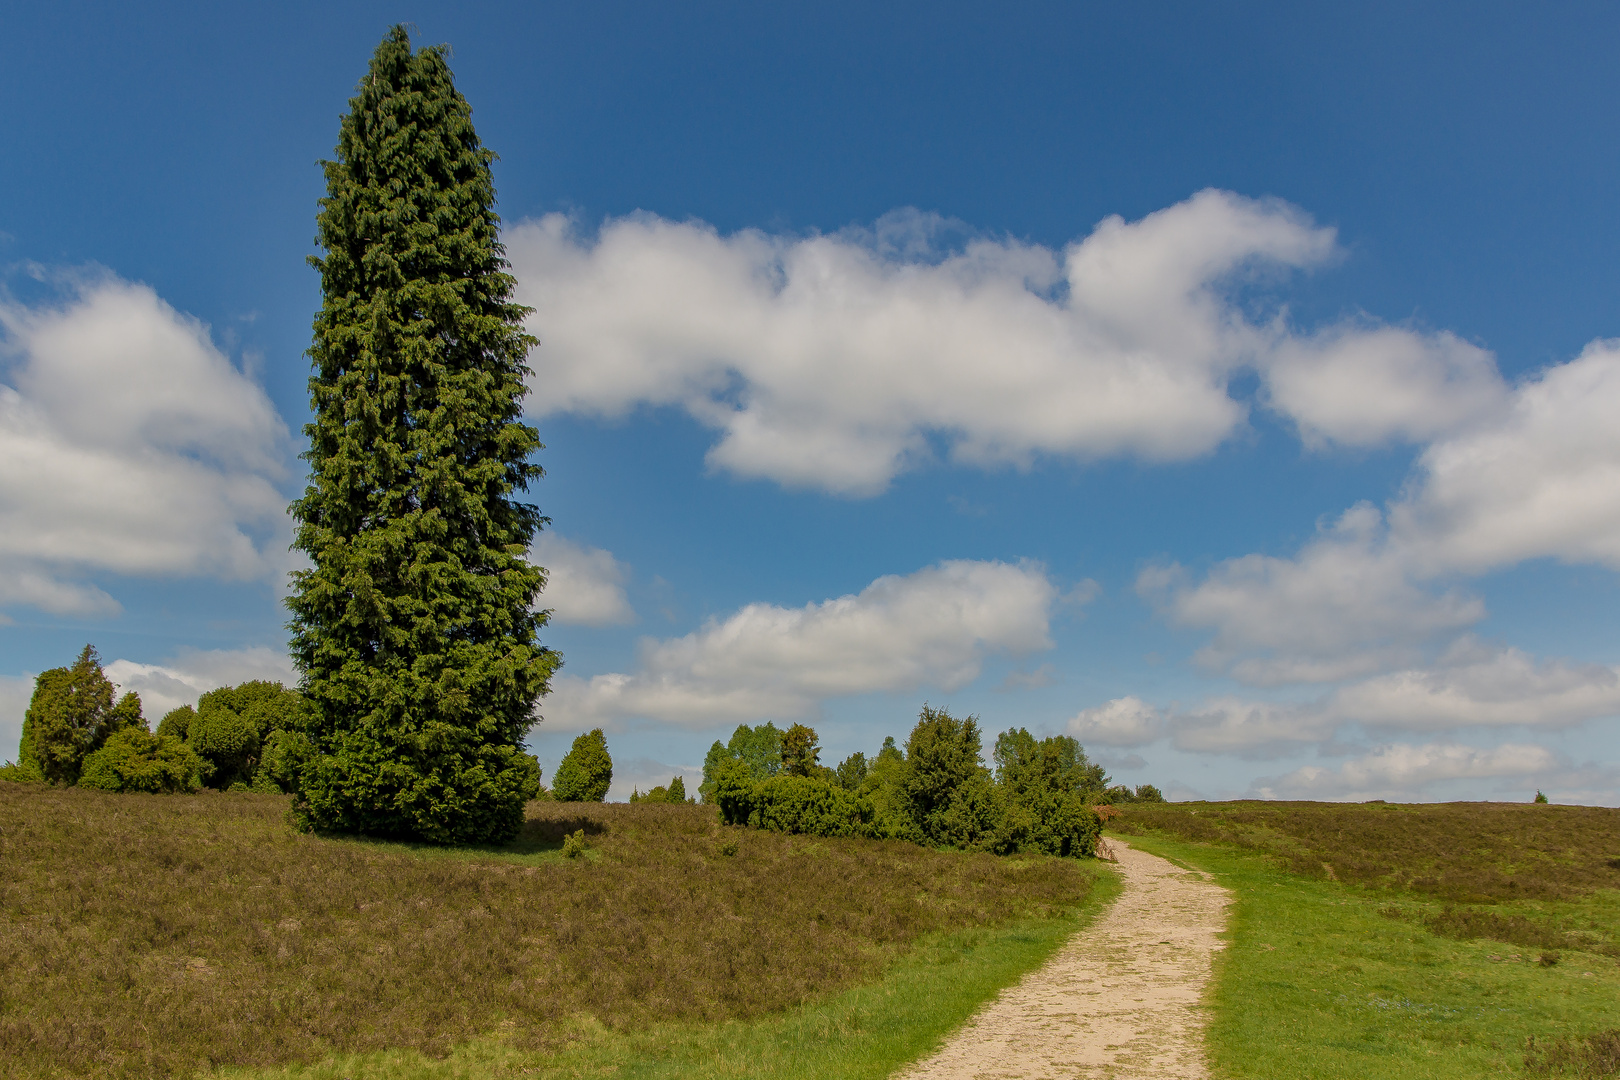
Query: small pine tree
x=677, y=790
x=72, y=715
x=585, y=772
x=415, y=629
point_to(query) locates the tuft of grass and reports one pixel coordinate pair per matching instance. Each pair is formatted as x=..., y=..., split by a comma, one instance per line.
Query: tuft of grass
x=1589, y=1057
x=154, y=936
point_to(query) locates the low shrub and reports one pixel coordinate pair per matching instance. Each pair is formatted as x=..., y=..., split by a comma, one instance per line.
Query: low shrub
x=1589, y=1057
x=798, y=804
x=134, y=760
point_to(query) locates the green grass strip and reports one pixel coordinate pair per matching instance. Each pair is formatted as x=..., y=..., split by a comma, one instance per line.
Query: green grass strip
x=867, y=1032
x=1316, y=984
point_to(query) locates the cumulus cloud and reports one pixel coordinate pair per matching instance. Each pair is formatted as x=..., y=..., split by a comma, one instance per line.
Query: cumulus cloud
x=1480, y=687
x=1538, y=478
x=1344, y=606
x=829, y=361
x=930, y=628
x=584, y=585
x=190, y=673
x=1545, y=481
x=1123, y=722
x=1252, y=729
x=1405, y=772
x=132, y=445
x=1364, y=386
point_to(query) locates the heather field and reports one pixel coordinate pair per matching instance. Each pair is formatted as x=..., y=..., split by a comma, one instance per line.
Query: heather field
x=158, y=936
x=1453, y=940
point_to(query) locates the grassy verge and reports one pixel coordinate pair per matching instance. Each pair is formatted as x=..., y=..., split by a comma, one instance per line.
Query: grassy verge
x=159, y=936
x=866, y=1032
x=1324, y=980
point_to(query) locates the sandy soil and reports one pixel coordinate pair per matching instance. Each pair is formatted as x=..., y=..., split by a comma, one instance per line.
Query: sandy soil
x=1119, y=1001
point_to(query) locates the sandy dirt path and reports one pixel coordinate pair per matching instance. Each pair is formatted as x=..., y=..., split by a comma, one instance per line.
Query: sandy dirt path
x=1121, y=1000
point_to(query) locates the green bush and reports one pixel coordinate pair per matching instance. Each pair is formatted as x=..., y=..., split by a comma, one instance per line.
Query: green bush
x=177, y=722
x=20, y=773
x=798, y=804
x=134, y=760
x=586, y=772
x=70, y=716
x=733, y=790
x=677, y=790
x=944, y=789
x=281, y=761
x=228, y=742
x=1047, y=787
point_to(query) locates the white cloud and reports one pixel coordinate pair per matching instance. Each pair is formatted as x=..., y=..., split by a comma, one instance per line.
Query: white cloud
x=1343, y=607
x=132, y=445
x=1126, y=721
x=1251, y=729
x=1363, y=386
x=190, y=673
x=1538, y=477
x=15, y=690
x=1406, y=772
x=1545, y=481
x=583, y=585
x=930, y=628
x=1478, y=687
x=828, y=361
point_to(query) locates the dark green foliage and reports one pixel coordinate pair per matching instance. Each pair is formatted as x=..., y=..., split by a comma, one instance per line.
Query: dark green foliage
x=852, y=771
x=759, y=748
x=228, y=742
x=177, y=722
x=1540, y=798
x=801, y=751
x=133, y=760
x=585, y=772
x=1148, y=793
x=72, y=715
x=732, y=787
x=944, y=789
x=1047, y=787
x=677, y=790
x=249, y=736
x=717, y=753
x=415, y=629
x=282, y=758
x=798, y=804
x=17, y=773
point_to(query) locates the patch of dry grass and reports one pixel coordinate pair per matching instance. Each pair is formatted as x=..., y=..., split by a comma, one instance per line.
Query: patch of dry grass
x=1461, y=852
x=147, y=936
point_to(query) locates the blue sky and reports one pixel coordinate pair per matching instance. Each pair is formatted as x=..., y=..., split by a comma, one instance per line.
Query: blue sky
x=1231, y=388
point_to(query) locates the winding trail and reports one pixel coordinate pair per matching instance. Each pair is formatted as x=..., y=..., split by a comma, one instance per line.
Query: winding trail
x=1119, y=1001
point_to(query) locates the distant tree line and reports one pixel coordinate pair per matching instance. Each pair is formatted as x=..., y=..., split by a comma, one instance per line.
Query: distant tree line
x=935, y=791
x=240, y=738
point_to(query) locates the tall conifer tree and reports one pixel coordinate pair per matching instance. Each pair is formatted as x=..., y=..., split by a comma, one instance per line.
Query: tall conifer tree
x=414, y=630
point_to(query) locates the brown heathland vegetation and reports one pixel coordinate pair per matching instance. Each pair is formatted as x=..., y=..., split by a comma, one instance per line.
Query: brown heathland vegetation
x=147, y=936
x=1462, y=852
